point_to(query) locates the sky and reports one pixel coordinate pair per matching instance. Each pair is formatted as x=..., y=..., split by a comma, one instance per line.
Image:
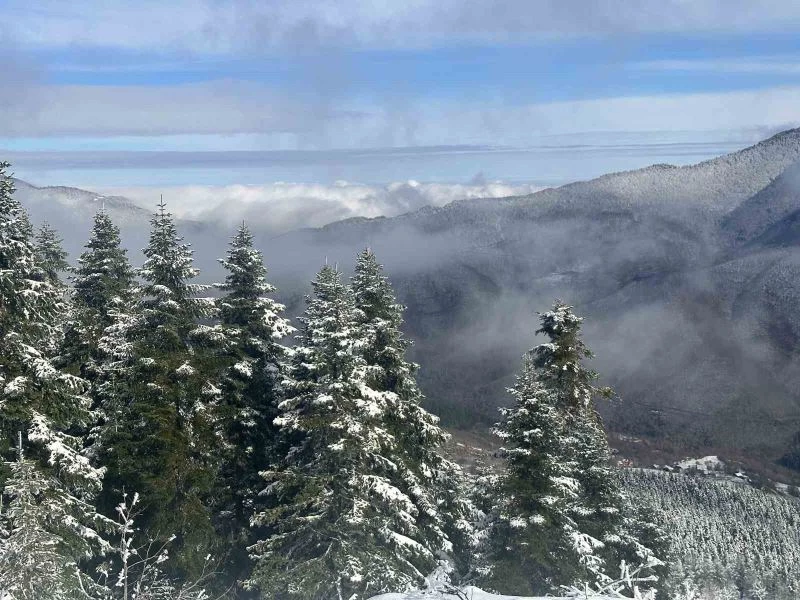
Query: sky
x=209, y=94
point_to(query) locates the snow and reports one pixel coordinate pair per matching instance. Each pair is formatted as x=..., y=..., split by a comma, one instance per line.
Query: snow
x=472, y=593
x=704, y=464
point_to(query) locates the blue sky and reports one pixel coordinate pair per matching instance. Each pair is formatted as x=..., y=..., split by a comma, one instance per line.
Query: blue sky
x=544, y=91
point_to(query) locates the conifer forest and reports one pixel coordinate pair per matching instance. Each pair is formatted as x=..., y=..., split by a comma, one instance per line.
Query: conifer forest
x=399, y=300
x=165, y=439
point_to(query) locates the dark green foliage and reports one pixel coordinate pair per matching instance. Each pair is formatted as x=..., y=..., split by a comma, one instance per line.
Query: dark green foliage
x=39, y=405
x=560, y=519
x=435, y=485
x=529, y=549
x=341, y=524
x=159, y=438
x=35, y=398
x=50, y=254
x=102, y=287
x=103, y=277
x=251, y=365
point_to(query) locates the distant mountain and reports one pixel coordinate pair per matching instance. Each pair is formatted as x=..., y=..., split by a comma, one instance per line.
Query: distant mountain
x=71, y=210
x=694, y=326
x=689, y=278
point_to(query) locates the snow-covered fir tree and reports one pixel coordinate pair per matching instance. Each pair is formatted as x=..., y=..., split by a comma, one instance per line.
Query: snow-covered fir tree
x=605, y=534
x=435, y=485
x=41, y=544
x=102, y=286
x=339, y=525
x=47, y=406
x=160, y=439
x=252, y=365
x=560, y=519
x=50, y=254
x=103, y=277
x=528, y=545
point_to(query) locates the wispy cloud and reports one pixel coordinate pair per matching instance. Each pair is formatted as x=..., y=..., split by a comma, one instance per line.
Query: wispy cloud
x=226, y=108
x=777, y=65
x=112, y=76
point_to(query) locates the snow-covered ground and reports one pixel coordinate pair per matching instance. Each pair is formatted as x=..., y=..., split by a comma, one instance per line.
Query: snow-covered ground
x=470, y=593
x=704, y=464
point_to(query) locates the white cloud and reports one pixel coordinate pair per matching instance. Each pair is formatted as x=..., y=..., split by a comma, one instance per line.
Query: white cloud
x=223, y=107
x=226, y=108
x=281, y=207
x=218, y=27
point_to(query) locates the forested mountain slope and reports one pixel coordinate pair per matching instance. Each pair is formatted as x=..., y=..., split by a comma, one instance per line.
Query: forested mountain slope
x=688, y=277
x=728, y=540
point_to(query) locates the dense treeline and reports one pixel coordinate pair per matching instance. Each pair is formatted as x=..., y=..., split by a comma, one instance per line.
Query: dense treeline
x=166, y=440
x=729, y=540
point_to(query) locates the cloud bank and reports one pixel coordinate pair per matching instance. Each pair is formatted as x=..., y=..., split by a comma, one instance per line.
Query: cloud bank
x=228, y=108
x=281, y=207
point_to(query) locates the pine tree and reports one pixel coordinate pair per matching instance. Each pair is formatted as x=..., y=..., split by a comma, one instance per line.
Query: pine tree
x=159, y=438
x=253, y=369
x=528, y=546
x=50, y=254
x=102, y=284
x=41, y=544
x=104, y=276
x=561, y=519
x=434, y=484
x=339, y=527
x=46, y=405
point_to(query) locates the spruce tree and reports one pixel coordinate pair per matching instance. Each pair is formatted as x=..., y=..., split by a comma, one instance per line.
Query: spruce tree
x=35, y=397
x=252, y=366
x=605, y=534
x=596, y=510
x=46, y=405
x=339, y=526
x=160, y=438
x=50, y=254
x=434, y=484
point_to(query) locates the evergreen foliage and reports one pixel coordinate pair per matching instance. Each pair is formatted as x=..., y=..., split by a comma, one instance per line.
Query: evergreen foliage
x=102, y=286
x=50, y=254
x=560, y=518
x=41, y=542
x=160, y=435
x=103, y=278
x=50, y=408
x=318, y=463
x=434, y=485
x=341, y=528
x=727, y=539
x=252, y=365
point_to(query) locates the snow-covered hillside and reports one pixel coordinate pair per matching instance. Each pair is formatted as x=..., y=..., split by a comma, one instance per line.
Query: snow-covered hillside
x=728, y=540
x=473, y=593
x=648, y=254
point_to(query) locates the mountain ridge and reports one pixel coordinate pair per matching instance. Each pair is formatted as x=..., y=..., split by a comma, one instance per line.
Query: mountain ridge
x=683, y=311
